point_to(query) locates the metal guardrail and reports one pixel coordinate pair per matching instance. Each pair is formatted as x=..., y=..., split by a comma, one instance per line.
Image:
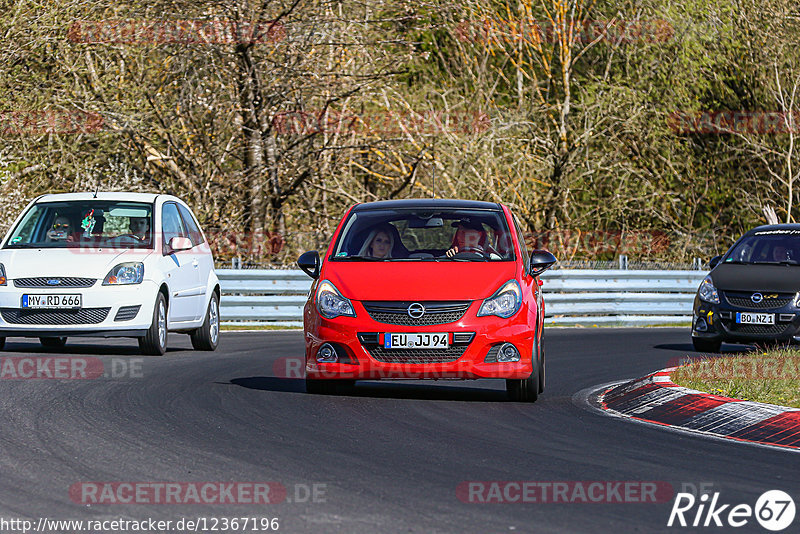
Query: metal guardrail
x=573, y=297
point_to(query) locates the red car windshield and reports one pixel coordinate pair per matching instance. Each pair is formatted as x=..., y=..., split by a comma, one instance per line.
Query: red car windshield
x=422, y=234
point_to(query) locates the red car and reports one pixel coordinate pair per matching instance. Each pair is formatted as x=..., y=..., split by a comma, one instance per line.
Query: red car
x=430, y=288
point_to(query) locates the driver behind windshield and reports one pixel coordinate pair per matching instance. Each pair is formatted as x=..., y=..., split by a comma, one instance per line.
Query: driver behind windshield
x=139, y=227
x=61, y=231
x=781, y=252
x=469, y=237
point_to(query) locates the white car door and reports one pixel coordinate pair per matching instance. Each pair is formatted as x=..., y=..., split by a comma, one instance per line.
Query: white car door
x=202, y=260
x=178, y=266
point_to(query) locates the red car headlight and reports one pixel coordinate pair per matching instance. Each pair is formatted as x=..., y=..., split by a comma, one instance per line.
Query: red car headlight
x=331, y=303
x=505, y=302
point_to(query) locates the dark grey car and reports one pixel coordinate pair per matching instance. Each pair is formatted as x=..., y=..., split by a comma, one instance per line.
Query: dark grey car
x=751, y=293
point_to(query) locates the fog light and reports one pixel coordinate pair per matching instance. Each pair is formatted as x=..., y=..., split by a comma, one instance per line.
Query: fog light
x=327, y=354
x=508, y=353
x=700, y=325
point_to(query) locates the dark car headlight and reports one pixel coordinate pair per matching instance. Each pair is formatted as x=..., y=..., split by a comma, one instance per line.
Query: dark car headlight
x=707, y=291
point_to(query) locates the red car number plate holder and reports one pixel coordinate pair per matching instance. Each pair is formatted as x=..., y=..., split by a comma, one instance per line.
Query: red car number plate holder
x=412, y=340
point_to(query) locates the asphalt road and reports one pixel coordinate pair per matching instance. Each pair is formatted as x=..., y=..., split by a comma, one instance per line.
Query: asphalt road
x=386, y=458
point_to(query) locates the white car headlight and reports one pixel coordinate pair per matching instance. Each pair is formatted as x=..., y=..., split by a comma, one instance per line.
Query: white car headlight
x=504, y=303
x=125, y=273
x=331, y=303
x=3, y=280
x=707, y=291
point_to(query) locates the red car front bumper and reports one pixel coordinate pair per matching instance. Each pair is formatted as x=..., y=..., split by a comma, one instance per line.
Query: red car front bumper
x=471, y=340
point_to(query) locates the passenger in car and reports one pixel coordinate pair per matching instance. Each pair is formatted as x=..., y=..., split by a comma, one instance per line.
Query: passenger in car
x=379, y=243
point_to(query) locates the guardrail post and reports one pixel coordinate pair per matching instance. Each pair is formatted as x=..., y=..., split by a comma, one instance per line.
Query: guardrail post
x=623, y=262
x=697, y=264
x=236, y=262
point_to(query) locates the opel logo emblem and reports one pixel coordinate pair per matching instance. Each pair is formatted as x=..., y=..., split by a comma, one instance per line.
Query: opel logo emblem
x=416, y=310
x=757, y=297
x=53, y=282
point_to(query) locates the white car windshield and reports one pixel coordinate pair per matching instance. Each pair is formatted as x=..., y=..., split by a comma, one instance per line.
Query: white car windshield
x=424, y=234
x=86, y=223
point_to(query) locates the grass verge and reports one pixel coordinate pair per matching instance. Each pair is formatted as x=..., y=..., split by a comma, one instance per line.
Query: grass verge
x=772, y=377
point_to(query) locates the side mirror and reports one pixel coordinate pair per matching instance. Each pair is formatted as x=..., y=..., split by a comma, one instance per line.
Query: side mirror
x=180, y=243
x=541, y=260
x=309, y=262
x=713, y=262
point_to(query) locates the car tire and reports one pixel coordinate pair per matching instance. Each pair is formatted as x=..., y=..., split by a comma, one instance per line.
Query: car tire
x=706, y=345
x=524, y=389
x=207, y=336
x=541, y=370
x=154, y=343
x=53, y=342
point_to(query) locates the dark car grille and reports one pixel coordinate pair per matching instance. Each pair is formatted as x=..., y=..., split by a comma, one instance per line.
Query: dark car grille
x=419, y=356
x=41, y=281
x=759, y=329
x=394, y=312
x=126, y=313
x=744, y=301
x=82, y=316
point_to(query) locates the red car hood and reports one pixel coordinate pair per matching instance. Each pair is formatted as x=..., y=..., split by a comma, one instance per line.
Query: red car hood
x=445, y=280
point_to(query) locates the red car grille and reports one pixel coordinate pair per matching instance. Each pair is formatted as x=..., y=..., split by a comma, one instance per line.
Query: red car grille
x=418, y=356
x=461, y=340
x=440, y=312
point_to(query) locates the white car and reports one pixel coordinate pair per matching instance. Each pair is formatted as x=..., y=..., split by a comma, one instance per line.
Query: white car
x=108, y=265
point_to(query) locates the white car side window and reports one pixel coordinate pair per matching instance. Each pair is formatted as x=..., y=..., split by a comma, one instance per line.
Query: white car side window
x=171, y=224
